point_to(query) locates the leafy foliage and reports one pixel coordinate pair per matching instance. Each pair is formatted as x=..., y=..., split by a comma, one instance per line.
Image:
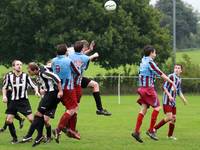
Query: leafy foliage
x=30, y=29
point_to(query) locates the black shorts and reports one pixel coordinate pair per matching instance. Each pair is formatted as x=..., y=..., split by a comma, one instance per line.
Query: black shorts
x=84, y=82
x=22, y=105
x=48, y=103
x=51, y=113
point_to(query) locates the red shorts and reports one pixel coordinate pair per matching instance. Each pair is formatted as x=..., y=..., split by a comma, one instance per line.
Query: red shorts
x=168, y=108
x=148, y=96
x=69, y=99
x=78, y=90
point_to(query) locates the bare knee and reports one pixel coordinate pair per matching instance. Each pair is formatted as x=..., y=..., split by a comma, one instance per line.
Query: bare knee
x=46, y=120
x=94, y=85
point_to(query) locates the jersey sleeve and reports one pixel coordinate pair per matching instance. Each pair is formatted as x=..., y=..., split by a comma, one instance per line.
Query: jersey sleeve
x=153, y=67
x=6, y=81
x=30, y=82
x=179, y=89
x=51, y=76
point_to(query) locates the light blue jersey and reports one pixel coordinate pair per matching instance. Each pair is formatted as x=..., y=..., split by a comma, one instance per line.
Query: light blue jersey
x=66, y=70
x=81, y=61
x=148, y=72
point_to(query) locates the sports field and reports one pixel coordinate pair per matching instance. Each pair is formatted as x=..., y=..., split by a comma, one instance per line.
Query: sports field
x=114, y=133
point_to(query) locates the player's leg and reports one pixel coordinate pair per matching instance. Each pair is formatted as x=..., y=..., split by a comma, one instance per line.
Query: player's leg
x=9, y=121
x=169, y=116
x=11, y=111
x=20, y=119
x=48, y=128
x=172, y=125
x=69, y=100
x=4, y=127
x=141, y=114
x=150, y=132
x=96, y=94
x=73, y=120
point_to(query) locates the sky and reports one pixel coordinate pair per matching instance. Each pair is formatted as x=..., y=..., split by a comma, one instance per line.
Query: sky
x=195, y=3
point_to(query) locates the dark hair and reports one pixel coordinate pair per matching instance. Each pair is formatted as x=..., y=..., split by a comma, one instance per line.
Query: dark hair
x=33, y=66
x=61, y=49
x=78, y=46
x=179, y=65
x=148, y=49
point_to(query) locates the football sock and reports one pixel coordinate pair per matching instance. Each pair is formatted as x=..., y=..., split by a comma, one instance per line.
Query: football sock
x=154, y=116
x=139, y=122
x=171, y=129
x=160, y=124
x=97, y=98
x=12, y=130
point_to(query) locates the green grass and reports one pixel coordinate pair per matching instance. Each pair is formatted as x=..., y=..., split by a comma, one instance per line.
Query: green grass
x=113, y=133
x=95, y=69
x=194, y=55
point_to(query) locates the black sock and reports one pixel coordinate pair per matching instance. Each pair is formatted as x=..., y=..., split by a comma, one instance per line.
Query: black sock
x=40, y=126
x=12, y=130
x=33, y=126
x=48, y=128
x=17, y=116
x=5, y=126
x=97, y=98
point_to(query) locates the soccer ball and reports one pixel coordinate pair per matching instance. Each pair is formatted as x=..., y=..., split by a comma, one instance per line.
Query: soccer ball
x=110, y=5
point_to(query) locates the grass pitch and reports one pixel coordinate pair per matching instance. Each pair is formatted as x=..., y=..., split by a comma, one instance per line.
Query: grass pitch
x=114, y=133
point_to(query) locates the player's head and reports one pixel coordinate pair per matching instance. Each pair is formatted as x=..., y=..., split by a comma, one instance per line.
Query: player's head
x=78, y=46
x=150, y=51
x=178, y=69
x=17, y=65
x=86, y=45
x=61, y=49
x=49, y=64
x=33, y=69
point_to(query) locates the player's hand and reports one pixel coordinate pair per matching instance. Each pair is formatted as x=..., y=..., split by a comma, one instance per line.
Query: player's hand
x=37, y=94
x=92, y=44
x=42, y=92
x=60, y=94
x=5, y=99
x=174, y=87
x=171, y=98
x=96, y=55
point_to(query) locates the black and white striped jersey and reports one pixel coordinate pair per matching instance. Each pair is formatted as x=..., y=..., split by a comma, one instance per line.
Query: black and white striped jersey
x=18, y=84
x=48, y=80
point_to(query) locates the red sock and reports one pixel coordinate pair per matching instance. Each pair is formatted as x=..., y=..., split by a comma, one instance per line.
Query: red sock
x=171, y=129
x=72, y=123
x=139, y=122
x=63, y=121
x=154, y=116
x=160, y=124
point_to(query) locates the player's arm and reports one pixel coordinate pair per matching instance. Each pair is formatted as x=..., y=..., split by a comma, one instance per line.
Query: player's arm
x=30, y=82
x=158, y=72
x=165, y=88
x=183, y=98
x=168, y=94
x=179, y=91
x=56, y=79
x=4, y=88
x=91, y=48
x=94, y=56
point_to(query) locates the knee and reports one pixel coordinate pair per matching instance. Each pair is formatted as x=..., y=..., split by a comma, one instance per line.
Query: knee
x=46, y=120
x=9, y=121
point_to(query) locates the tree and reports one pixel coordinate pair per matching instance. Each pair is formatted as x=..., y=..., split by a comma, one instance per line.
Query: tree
x=186, y=20
x=31, y=29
